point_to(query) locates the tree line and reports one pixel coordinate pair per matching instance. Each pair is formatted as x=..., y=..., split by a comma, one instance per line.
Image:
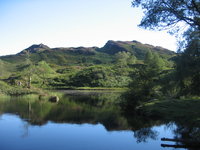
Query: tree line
x=151, y=80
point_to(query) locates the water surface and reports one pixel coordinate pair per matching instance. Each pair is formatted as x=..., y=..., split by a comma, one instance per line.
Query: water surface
x=79, y=121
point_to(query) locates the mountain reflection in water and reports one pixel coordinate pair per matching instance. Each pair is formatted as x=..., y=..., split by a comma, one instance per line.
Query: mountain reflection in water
x=86, y=113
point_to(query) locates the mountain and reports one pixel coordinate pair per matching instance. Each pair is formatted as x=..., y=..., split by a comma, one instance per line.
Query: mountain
x=136, y=48
x=34, y=49
x=79, y=66
x=84, y=55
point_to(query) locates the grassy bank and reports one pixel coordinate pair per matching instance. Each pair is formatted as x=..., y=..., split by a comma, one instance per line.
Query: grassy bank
x=99, y=88
x=89, y=88
x=9, y=90
x=174, y=109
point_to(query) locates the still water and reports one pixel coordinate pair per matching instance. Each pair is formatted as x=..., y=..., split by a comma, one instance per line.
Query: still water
x=79, y=121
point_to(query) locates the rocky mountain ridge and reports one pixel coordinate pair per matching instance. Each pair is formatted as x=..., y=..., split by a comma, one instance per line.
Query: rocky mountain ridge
x=111, y=47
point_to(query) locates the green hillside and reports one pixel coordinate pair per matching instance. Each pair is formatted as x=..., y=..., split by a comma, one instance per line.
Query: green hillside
x=85, y=55
x=109, y=66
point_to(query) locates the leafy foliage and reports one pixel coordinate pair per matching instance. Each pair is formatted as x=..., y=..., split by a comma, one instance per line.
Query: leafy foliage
x=184, y=16
x=124, y=58
x=98, y=76
x=167, y=14
x=188, y=65
x=146, y=82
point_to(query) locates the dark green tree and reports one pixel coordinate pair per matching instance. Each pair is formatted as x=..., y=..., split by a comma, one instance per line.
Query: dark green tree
x=168, y=14
x=124, y=58
x=176, y=16
x=94, y=76
x=148, y=57
x=145, y=83
x=180, y=17
x=188, y=65
x=1, y=68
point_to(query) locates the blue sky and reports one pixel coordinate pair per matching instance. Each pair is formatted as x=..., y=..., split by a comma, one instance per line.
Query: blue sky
x=72, y=23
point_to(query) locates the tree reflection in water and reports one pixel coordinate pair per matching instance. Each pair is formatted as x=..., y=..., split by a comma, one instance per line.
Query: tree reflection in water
x=142, y=135
x=97, y=108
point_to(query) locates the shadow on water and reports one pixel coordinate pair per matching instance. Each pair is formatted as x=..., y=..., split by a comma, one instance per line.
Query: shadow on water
x=96, y=107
